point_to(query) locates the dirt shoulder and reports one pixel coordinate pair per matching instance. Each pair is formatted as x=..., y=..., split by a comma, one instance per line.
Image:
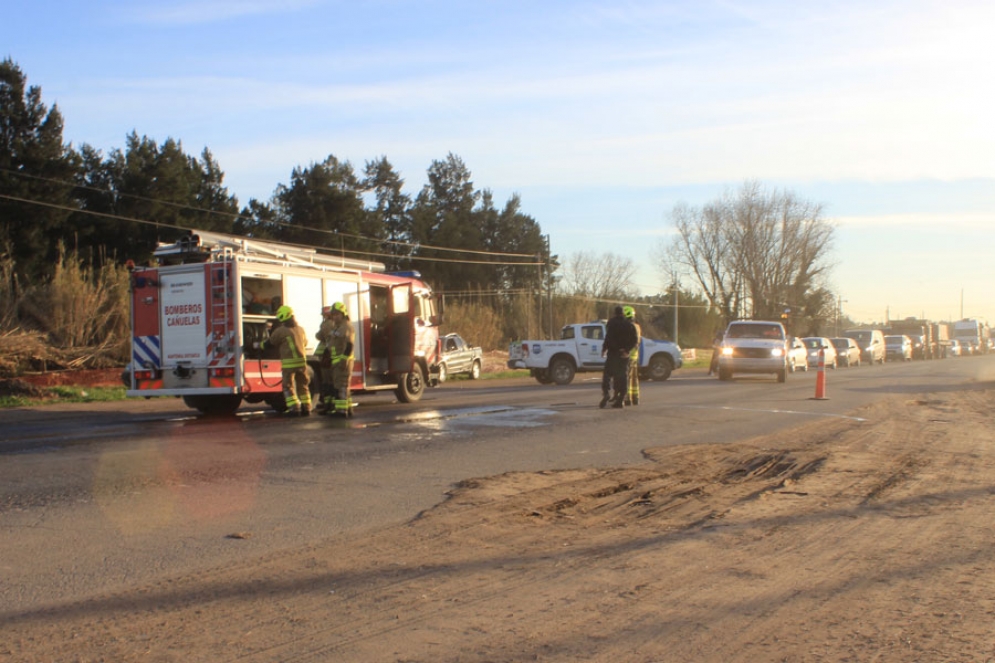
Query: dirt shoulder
x=853, y=540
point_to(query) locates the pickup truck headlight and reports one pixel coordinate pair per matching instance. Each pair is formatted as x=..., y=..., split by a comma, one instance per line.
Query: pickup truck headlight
x=726, y=352
x=777, y=352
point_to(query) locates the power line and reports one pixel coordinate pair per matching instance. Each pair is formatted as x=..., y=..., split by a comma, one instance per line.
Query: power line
x=158, y=224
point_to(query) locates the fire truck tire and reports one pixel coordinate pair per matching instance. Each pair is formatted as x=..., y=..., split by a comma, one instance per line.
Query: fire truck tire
x=214, y=405
x=411, y=386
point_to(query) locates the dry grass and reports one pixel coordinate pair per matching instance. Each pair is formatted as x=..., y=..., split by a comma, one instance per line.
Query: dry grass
x=76, y=319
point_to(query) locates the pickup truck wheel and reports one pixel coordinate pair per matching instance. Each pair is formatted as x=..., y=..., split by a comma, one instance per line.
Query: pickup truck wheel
x=412, y=385
x=443, y=373
x=542, y=376
x=475, y=371
x=562, y=371
x=659, y=369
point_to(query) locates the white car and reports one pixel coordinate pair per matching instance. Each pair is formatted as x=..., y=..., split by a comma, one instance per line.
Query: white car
x=797, y=355
x=954, y=349
x=820, y=344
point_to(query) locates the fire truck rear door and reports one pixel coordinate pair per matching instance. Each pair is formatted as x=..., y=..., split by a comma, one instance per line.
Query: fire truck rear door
x=401, y=328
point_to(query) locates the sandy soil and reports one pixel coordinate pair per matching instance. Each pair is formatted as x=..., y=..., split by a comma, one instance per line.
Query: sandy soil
x=848, y=541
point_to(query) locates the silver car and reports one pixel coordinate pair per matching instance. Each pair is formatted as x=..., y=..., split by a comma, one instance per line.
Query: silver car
x=847, y=351
x=820, y=344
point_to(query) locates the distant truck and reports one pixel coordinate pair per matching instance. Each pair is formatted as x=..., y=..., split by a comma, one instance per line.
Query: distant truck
x=579, y=350
x=921, y=334
x=941, y=339
x=972, y=334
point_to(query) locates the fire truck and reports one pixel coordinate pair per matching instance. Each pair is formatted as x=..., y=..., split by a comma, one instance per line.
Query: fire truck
x=201, y=314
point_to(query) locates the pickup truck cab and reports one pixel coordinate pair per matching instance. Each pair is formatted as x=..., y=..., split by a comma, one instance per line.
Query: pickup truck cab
x=458, y=356
x=754, y=346
x=579, y=350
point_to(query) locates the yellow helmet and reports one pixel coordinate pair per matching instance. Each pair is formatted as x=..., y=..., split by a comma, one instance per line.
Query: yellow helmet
x=629, y=312
x=340, y=307
x=284, y=313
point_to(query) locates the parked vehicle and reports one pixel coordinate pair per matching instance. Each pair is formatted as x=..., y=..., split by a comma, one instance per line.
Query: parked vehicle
x=871, y=342
x=898, y=347
x=797, y=355
x=579, y=350
x=847, y=351
x=816, y=345
x=953, y=348
x=200, y=317
x=458, y=357
x=754, y=346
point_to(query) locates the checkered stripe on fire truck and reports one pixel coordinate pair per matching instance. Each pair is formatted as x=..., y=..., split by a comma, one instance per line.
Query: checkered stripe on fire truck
x=221, y=351
x=146, y=351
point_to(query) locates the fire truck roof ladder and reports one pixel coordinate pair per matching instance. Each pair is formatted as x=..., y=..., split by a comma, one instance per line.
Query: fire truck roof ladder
x=251, y=249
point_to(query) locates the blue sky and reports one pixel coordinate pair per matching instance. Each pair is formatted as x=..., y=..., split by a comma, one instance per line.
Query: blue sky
x=601, y=115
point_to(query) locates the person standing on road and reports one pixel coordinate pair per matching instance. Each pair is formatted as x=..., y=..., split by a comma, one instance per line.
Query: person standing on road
x=291, y=340
x=620, y=339
x=340, y=342
x=632, y=397
x=713, y=365
x=323, y=353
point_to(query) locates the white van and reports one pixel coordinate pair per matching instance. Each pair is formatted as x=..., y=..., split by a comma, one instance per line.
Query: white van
x=871, y=343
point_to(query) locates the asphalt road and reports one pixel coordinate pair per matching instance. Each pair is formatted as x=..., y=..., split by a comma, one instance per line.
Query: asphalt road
x=102, y=496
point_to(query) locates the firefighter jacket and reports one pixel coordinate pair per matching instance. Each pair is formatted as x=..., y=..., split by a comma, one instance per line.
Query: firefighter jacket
x=324, y=336
x=340, y=340
x=634, y=353
x=292, y=342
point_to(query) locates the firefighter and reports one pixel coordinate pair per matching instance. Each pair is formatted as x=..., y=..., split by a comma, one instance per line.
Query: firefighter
x=620, y=339
x=339, y=343
x=632, y=398
x=323, y=352
x=290, y=338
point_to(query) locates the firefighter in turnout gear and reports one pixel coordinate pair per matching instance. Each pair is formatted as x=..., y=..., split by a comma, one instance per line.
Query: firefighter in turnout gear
x=632, y=398
x=291, y=340
x=323, y=354
x=336, y=341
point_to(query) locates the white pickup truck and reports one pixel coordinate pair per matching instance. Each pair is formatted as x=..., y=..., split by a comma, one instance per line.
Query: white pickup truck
x=579, y=349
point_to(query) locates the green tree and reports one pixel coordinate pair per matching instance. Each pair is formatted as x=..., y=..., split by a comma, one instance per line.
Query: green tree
x=443, y=216
x=323, y=206
x=36, y=175
x=392, y=210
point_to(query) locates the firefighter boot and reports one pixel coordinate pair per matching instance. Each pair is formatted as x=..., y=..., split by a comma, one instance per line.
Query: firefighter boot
x=604, y=400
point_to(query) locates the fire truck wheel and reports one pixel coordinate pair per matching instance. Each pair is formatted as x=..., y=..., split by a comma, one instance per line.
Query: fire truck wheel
x=214, y=405
x=412, y=385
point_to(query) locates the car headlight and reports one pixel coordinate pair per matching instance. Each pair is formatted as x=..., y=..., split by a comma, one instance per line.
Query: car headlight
x=777, y=352
x=726, y=352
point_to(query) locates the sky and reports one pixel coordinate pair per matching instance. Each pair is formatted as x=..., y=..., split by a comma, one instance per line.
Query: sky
x=602, y=116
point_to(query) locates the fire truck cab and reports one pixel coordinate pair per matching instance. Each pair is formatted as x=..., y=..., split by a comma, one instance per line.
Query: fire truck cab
x=200, y=317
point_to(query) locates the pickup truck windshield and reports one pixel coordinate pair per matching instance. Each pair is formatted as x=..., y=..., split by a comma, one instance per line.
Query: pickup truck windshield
x=754, y=331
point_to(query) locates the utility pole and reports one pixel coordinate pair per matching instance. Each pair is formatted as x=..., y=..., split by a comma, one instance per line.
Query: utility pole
x=677, y=286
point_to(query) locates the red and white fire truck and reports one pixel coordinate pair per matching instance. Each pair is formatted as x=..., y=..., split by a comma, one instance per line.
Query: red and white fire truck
x=200, y=316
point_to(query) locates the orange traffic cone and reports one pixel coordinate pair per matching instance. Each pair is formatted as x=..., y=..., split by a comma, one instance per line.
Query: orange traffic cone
x=820, y=378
